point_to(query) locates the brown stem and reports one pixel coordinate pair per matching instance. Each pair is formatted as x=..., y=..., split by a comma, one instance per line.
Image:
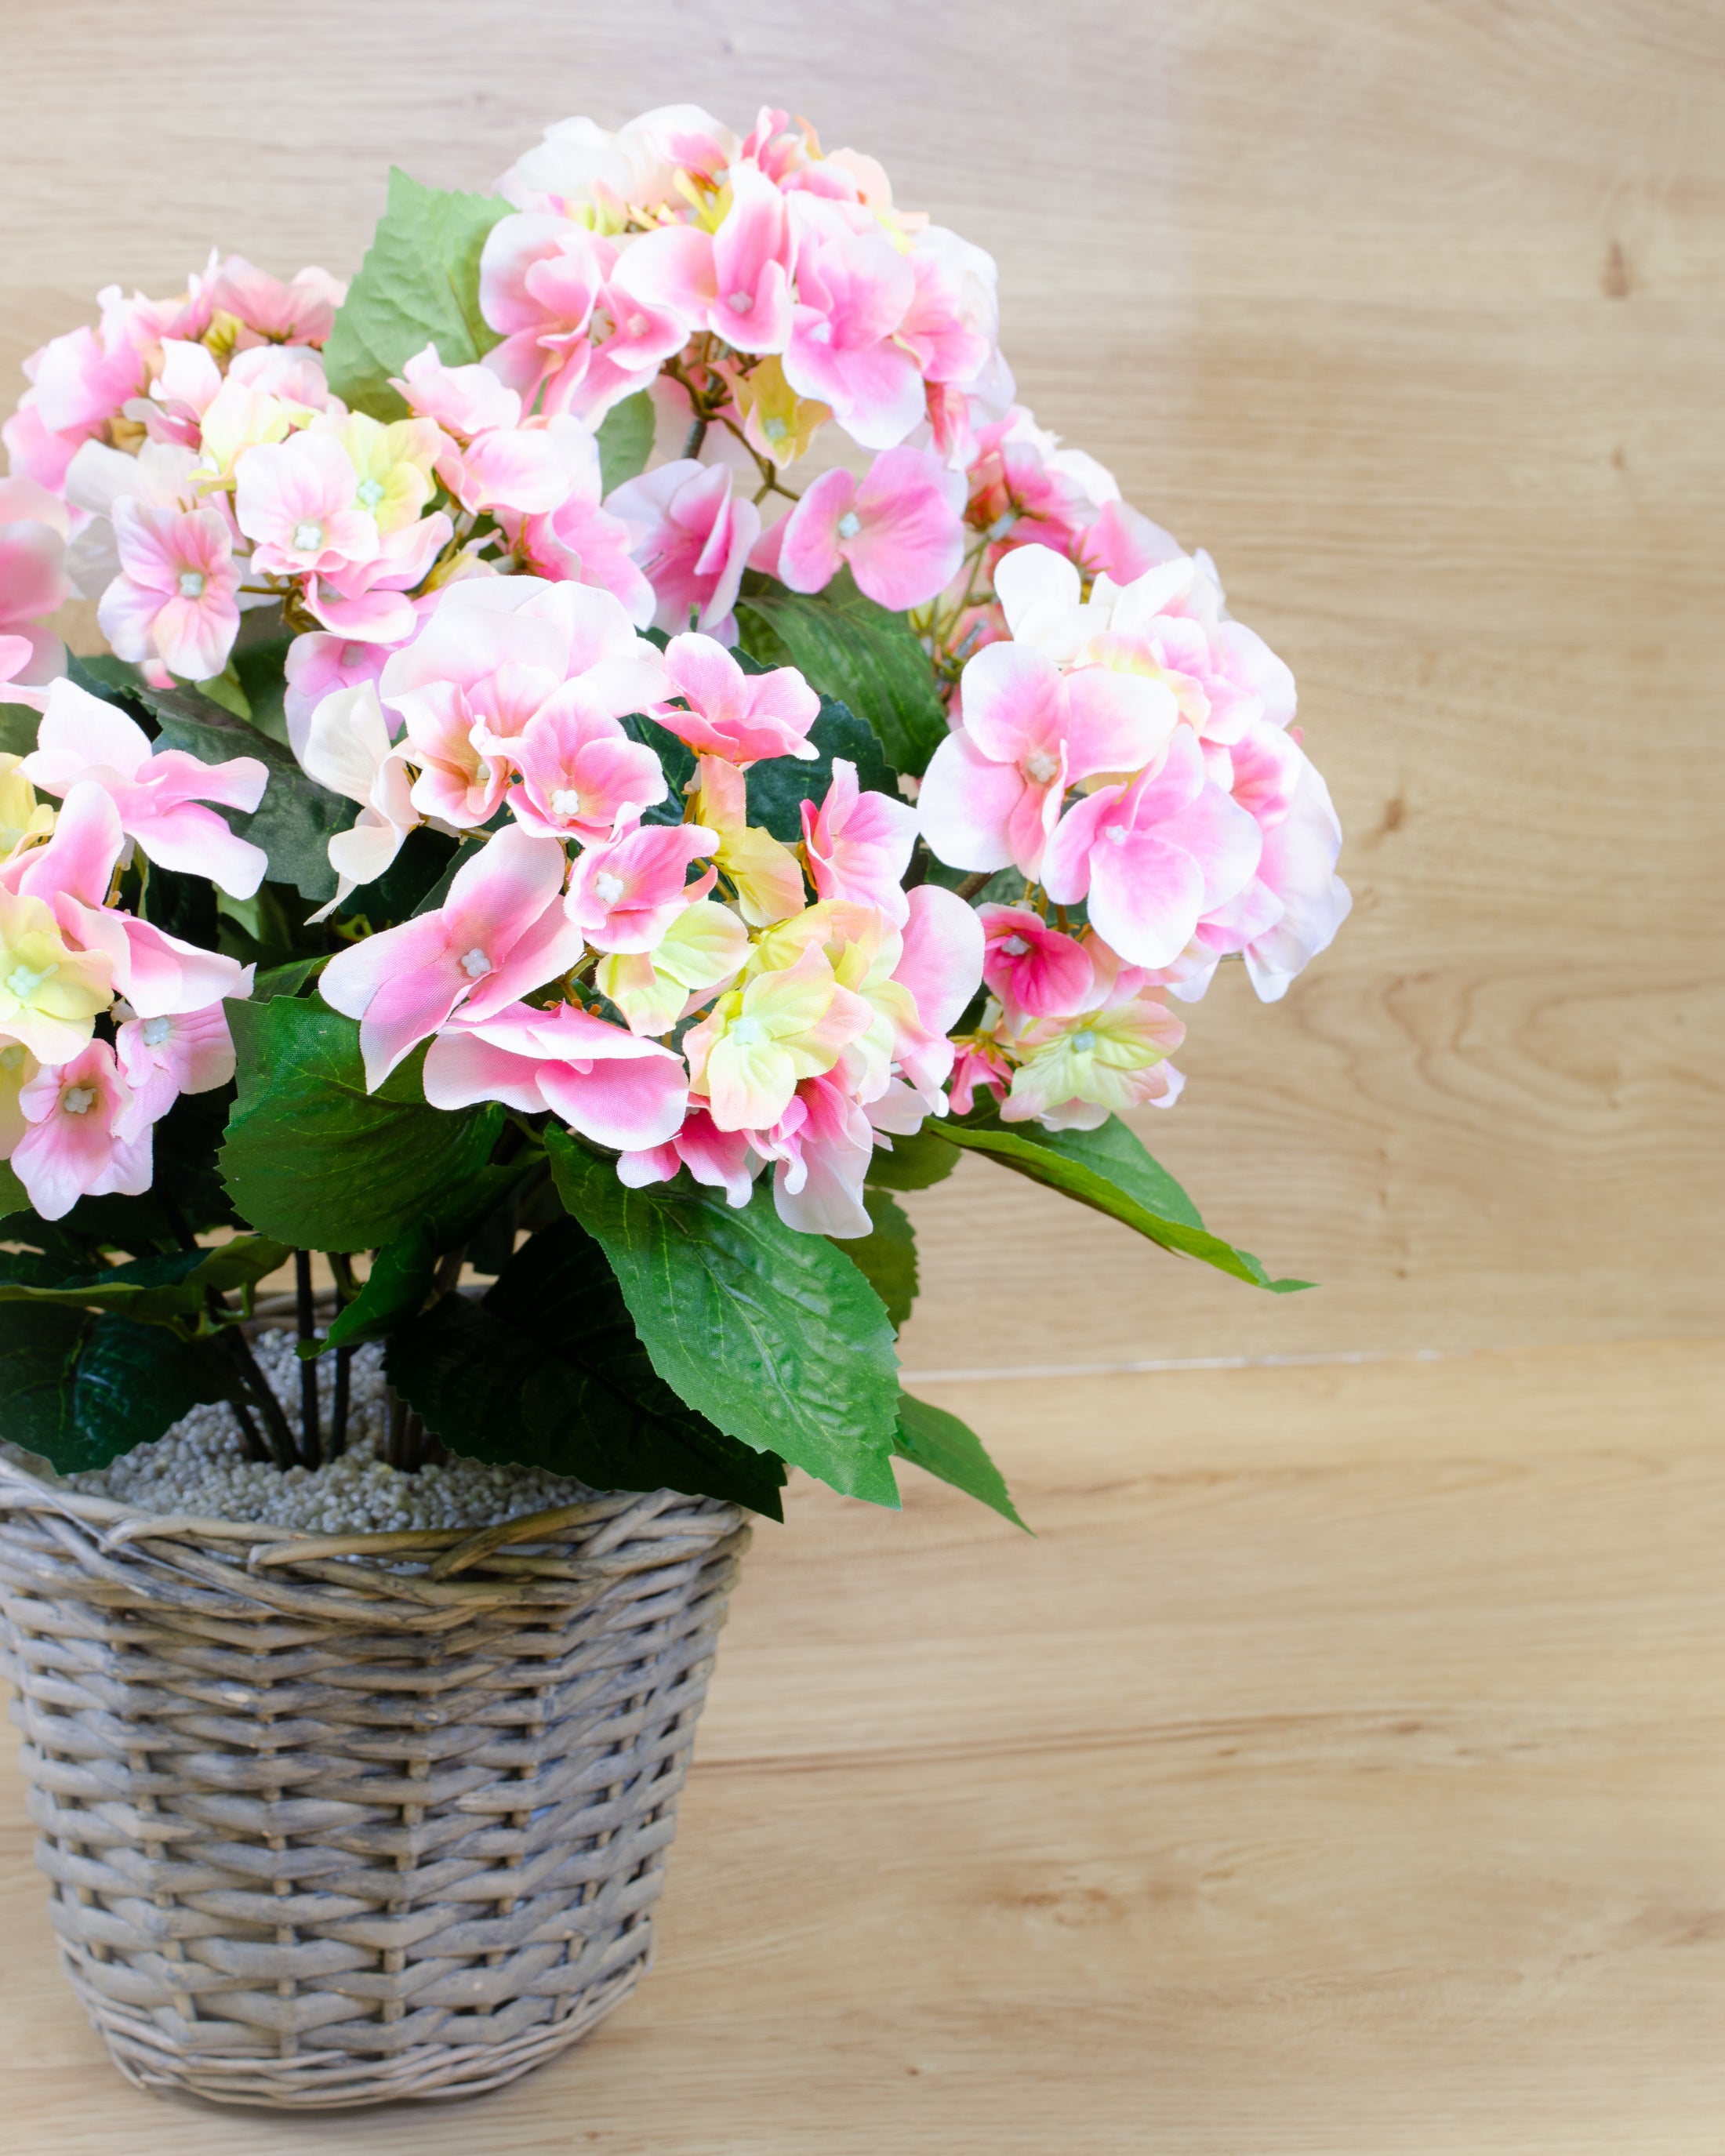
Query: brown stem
x=972, y=883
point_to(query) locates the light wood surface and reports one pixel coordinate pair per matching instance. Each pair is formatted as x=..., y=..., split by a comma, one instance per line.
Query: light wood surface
x=1343, y=1769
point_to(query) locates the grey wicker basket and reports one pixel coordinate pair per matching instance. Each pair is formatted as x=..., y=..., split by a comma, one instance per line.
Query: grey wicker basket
x=334, y=1821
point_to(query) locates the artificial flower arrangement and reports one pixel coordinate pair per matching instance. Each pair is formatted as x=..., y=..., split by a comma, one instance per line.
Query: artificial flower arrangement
x=528, y=827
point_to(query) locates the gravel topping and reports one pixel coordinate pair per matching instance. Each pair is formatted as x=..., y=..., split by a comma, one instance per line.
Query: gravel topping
x=199, y=1466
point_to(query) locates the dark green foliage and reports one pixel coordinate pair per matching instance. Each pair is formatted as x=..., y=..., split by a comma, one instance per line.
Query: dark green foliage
x=931, y=1439
x=1109, y=1170
x=626, y=440
x=311, y=1157
x=914, y=1163
x=854, y=651
x=887, y=1258
x=778, y=788
x=81, y=1390
x=547, y=1370
x=771, y=1334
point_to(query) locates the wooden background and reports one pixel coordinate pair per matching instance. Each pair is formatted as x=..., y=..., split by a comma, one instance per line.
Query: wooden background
x=1342, y=1769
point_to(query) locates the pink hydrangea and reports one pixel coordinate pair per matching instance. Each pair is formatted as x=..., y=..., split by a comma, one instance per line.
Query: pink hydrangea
x=690, y=534
x=174, y=598
x=87, y=1134
x=739, y=717
x=900, y=529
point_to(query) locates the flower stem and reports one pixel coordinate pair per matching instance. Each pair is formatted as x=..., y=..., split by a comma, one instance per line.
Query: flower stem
x=310, y=1443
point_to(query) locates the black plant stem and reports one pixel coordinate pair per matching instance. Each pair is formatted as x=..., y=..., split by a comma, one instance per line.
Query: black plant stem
x=250, y=1435
x=341, y=1265
x=281, y=1437
x=310, y=1444
x=405, y=1444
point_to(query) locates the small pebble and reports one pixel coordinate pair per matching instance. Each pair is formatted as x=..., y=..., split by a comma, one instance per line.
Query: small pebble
x=199, y=1466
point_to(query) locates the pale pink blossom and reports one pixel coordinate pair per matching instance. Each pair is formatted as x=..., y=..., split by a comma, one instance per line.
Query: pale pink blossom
x=34, y=530
x=577, y=540
x=952, y=323
x=87, y=1135
x=183, y=1052
x=582, y=168
x=734, y=282
x=852, y=294
x=1033, y=968
x=823, y=1145
x=625, y=893
x=500, y=933
x=721, y=1160
x=582, y=776
x=174, y=598
x=296, y=501
x=301, y=310
x=1025, y=489
x=981, y=1064
x=348, y=749
x=1154, y=855
x=83, y=378
x=157, y=973
x=858, y=845
x=366, y=602
x=157, y=796
x=547, y=284
x=508, y=468
x=901, y=528
x=36, y=451
x=97, y=478
x=319, y=663
x=738, y=716
x=609, y=1084
x=705, y=947
x=1171, y=620
x=994, y=788
x=1297, y=868
x=691, y=534
x=292, y=372
x=1075, y=1072
x=465, y=401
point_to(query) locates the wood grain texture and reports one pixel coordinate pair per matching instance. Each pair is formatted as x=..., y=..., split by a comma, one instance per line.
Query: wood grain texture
x=1340, y=1774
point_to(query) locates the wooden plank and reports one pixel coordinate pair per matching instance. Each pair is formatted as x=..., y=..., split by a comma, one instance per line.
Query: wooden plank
x=1338, y=1772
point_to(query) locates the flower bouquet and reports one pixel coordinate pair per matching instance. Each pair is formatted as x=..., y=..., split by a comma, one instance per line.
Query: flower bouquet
x=623, y=750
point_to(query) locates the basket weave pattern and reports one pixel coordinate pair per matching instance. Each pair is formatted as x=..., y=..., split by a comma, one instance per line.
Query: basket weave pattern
x=335, y=1821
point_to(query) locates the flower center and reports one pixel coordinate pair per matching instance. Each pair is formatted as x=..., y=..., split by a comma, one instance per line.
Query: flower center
x=850, y=524
x=609, y=888
x=636, y=326
x=157, y=1030
x=308, y=538
x=565, y=801
x=748, y=1032
x=12, y=1056
x=354, y=654
x=742, y=303
x=1001, y=525
x=1116, y=834
x=822, y=333
x=24, y=981
x=192, y=583
x=78, y=1100
x=1084, y=1040
x=774, y=427
x=369, y=492
x=1015, y=946
x=475, y=965
x=1041, y=767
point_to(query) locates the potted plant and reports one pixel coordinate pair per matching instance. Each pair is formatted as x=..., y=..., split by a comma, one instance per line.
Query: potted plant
x=545, y=863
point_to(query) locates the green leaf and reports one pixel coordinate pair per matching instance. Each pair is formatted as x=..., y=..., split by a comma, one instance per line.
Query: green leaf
x=403, y=1270
x=286, y=980
x=1060, y=1169
x=13, y=1197
x=626, y=440
x=296, y=819
x=17, y=729
x=778, y=786
x=914, y=1163
x=887, y=1258
x=311, y=1157
x=1116, y=1152
x=933, y=1439
x=261, y=669
x=153, y=1290
x=769, y=1333
x=418, y=284
x=548, y=1371
x=856, y=651
x=81, y=1390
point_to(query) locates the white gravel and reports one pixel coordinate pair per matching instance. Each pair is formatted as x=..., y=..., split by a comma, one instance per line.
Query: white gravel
x=199, y=1466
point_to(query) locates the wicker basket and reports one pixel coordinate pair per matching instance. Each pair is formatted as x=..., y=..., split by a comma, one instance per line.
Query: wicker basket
x=334, y=1822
